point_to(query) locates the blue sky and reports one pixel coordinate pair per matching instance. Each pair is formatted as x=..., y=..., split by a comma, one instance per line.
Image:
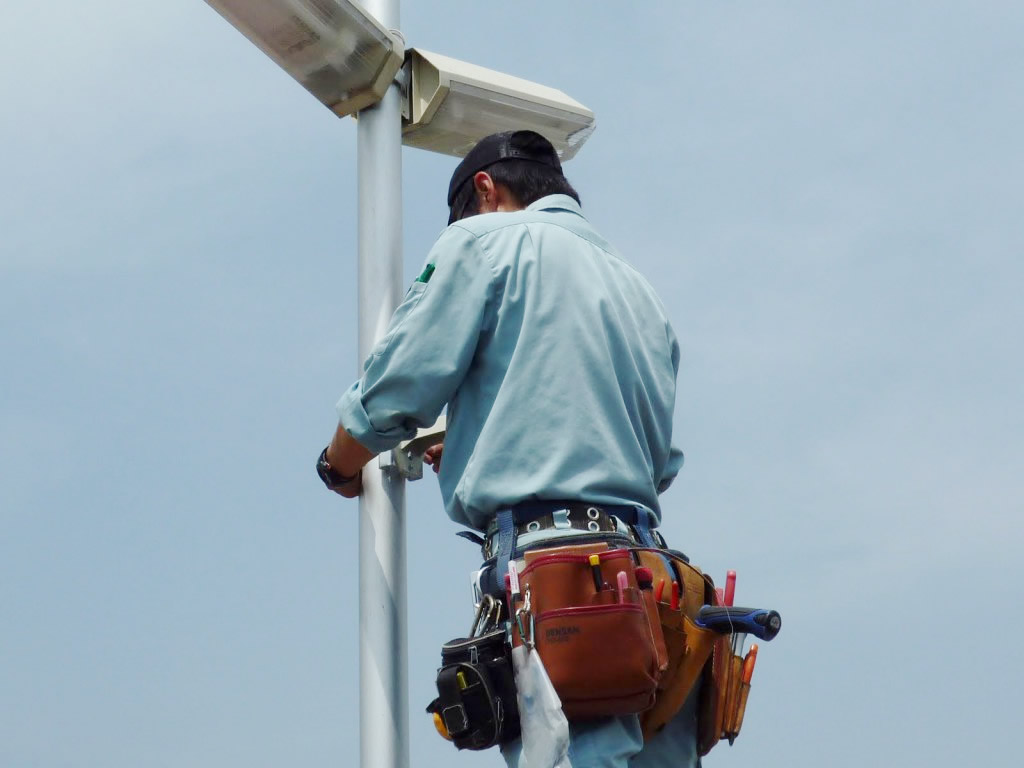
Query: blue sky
x=827, y=197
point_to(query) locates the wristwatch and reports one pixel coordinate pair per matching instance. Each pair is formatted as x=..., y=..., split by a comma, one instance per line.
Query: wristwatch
x=332, y=478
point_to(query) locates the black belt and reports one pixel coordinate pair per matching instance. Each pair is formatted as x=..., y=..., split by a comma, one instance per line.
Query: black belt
x=593, y=521
x=583, y=517
x=579, y=516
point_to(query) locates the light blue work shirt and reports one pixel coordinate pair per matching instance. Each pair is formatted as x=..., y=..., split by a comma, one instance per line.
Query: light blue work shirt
x=554, y=356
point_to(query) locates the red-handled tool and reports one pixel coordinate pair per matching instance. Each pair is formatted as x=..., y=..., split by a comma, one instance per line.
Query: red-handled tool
x=730, y=587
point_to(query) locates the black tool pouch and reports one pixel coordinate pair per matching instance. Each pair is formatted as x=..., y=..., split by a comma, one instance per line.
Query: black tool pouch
x=476, y=704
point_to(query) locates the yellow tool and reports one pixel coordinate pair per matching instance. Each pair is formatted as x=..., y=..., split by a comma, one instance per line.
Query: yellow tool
x=441, y=728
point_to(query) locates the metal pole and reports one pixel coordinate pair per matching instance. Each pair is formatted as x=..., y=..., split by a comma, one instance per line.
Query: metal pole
x=383, y=658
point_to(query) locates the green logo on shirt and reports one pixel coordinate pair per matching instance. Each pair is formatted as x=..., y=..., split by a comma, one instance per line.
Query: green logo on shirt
x=425, y=275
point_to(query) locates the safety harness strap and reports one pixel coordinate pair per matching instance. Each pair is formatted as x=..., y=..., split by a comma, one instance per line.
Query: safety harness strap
x=642, y=524
x=506, y=541
x=507, y=519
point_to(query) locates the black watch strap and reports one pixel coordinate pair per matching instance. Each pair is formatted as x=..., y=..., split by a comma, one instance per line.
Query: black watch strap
x=331, y=477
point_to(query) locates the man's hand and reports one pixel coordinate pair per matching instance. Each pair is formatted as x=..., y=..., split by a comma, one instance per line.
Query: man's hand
x=432, y=456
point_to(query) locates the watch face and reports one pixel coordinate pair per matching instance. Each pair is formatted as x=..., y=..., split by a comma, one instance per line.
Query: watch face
x=332, y=478
x=323, y=469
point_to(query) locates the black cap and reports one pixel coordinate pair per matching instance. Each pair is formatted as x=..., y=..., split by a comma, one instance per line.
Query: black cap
x=509, y=145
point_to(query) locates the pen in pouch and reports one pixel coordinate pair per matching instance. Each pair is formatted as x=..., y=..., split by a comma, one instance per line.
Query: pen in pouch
x=595, y=569
x=622, y=582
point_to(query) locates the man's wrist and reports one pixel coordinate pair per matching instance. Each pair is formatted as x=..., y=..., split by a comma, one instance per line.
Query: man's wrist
x=330, y=476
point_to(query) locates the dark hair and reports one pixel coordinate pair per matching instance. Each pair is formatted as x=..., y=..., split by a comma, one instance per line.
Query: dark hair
x=526, y=180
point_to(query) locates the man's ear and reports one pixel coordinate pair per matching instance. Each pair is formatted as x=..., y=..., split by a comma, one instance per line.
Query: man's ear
x=486, y=192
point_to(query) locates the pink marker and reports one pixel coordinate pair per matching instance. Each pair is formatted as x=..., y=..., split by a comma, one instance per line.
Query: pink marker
x=623, y=583
x=730, y=587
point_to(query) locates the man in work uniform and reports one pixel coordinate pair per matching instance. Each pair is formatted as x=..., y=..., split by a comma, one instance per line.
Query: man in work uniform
x=557, y=364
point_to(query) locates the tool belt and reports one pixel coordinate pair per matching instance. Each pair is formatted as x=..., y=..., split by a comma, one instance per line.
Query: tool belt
x=614, y=635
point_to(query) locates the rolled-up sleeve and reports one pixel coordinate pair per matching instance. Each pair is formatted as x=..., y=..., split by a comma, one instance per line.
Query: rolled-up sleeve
x=417, y=366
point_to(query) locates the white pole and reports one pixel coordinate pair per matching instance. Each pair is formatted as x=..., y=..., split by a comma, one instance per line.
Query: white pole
x=383, y=659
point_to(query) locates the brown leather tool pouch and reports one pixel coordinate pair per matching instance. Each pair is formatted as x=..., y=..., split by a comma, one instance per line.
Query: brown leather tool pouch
x=719, y=714
x=598, y=646
x=688, y=647
x=695, y=656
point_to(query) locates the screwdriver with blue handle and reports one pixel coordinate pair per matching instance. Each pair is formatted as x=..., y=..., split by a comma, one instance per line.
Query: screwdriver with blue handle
x=725, y=620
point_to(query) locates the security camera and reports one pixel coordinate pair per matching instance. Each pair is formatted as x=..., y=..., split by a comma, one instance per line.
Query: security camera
x=453, y=104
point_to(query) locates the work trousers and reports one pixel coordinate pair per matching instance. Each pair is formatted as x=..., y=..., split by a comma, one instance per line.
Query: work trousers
x=616, y=742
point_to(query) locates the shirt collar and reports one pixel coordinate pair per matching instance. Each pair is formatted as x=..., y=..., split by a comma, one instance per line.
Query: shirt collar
x=556, y=203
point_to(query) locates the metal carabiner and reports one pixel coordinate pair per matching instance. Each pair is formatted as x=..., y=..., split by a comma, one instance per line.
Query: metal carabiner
x=475, y=627
x=493, y=613
x=486, y=618
x=525, y=609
